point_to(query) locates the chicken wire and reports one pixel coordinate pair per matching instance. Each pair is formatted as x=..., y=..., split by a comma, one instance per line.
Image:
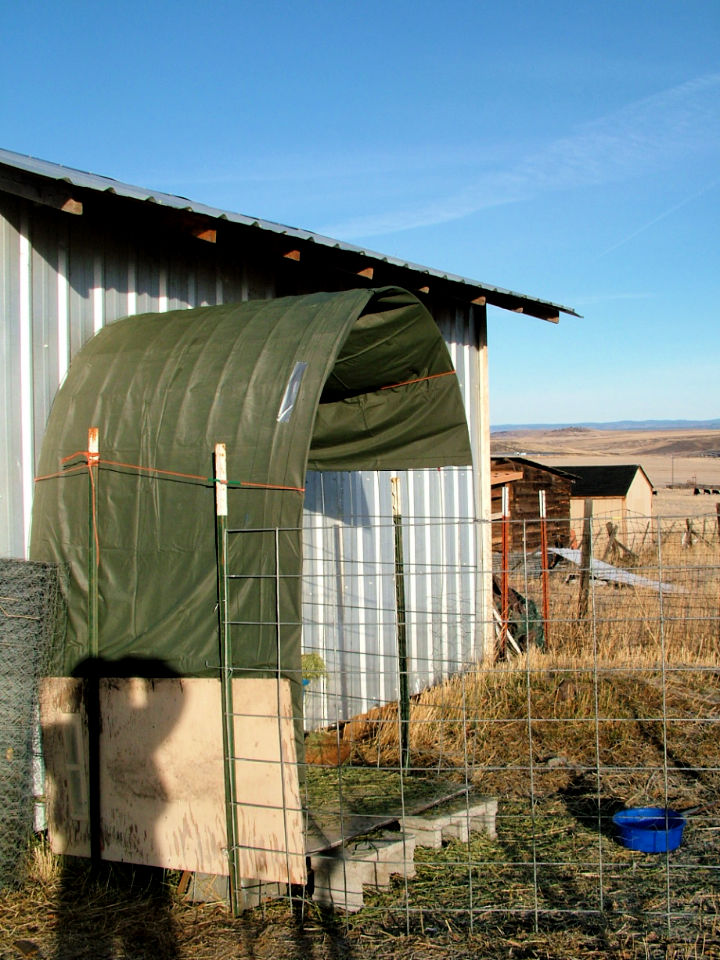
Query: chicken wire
x=28, y=607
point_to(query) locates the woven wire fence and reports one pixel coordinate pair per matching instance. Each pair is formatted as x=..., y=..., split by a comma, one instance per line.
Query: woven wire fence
x=29, y=597
x=487, y=801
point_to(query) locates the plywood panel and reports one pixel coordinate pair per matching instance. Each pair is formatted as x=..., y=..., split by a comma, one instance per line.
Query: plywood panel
x=162, y=793
x=269, y=814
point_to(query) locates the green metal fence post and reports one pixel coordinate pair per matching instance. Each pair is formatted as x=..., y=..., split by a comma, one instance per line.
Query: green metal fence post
x=401, y=627
x=228, y=712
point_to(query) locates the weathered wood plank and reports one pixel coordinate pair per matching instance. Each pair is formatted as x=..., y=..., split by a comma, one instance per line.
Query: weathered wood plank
x=162, y=798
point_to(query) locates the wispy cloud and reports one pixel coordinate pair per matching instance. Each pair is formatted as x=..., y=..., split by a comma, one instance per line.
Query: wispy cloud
x=645, y=136
x=661, y=216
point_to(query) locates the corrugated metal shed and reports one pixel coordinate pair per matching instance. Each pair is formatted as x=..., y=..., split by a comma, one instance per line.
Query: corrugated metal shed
x=78, y=251
x=67, y=178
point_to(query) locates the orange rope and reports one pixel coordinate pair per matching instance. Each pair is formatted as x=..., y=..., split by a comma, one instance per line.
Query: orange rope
x=432, y=376
x=165, y=473
x=61, y=473
x=78, y=453
x=265, y=486
x=168, y=473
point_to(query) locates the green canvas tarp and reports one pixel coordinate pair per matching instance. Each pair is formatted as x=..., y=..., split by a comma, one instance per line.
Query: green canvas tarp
x=329, y=381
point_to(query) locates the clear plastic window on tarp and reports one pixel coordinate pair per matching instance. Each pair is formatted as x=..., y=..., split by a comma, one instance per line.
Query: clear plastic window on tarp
x=291, y=392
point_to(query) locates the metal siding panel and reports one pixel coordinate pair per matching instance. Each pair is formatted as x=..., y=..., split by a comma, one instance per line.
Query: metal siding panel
x=44, y=313
x=81, y=278
x=206, y=287
x=148, y=283
x=26, y=372
x=117, y=276
x=11, y=526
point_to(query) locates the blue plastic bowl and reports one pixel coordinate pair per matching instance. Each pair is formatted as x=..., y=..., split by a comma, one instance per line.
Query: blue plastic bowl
x=649, y=829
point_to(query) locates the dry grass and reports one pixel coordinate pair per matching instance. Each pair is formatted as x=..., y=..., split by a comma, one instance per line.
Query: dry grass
x=622, y=709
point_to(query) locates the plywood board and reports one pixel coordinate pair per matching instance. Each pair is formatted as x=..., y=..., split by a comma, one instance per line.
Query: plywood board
x=162, y=792
x=269, y=813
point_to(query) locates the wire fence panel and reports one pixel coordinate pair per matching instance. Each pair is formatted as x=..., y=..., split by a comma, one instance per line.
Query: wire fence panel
x=28, y=598
x=521, y=757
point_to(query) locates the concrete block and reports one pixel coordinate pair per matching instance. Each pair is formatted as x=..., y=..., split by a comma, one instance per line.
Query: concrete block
x=341, y=874
x=483, y=815
x=457, y=828
x=392, y=853
x=435, y=828
x=427, y=832
x=215, y=888
x=339, y=880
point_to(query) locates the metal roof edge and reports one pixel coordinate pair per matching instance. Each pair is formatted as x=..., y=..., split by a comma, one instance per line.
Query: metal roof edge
x=545, y=309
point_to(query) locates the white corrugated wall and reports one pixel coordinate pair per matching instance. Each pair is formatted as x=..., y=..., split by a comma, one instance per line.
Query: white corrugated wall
x=62, y=278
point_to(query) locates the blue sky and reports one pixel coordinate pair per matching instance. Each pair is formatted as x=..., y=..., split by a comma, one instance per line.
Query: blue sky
x=567, y=150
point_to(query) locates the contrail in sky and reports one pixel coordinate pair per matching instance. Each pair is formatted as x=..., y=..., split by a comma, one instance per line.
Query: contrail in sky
x=644, y=136
x=659, y=217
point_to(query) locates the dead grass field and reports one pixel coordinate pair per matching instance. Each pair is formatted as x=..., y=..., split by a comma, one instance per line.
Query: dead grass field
x=667, y=456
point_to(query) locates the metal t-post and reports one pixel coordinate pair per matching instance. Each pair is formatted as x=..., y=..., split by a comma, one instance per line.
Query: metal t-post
x=400, y=608
x=228, y=712
x=92, y=680
x=93, y=459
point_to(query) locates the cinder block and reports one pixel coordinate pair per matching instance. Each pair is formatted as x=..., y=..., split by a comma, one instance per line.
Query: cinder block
x=483, y=815
x=339, y=880
x=215, y=888
x=458, y=828
x=392, y=853
x=433, y=829
x=427, y=832
x=340, y=875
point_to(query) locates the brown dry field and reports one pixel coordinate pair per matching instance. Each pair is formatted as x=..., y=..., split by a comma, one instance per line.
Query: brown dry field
x=667, y=456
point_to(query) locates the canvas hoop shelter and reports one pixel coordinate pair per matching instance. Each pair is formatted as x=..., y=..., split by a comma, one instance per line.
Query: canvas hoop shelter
x=360, y=379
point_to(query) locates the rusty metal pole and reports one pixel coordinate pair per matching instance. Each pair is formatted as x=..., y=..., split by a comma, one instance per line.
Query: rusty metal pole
x=505, y=573
x=400, y=607
x=544, y=562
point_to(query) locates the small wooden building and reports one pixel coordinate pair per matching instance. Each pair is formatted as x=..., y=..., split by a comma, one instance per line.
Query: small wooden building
x=620, y=494
x=525, y=479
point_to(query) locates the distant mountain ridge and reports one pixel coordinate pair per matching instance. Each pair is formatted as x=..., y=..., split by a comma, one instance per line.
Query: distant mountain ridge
x=612, y=425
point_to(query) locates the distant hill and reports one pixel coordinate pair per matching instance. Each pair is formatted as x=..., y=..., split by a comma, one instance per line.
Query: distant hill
x=612, y=425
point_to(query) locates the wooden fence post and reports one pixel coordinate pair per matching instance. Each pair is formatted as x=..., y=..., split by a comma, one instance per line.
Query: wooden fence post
x=585, y=561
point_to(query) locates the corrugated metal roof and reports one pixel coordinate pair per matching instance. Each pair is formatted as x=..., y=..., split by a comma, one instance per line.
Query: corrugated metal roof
x=497, y=296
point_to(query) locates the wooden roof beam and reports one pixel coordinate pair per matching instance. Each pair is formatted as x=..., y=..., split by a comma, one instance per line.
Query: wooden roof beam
x=47, y=193
x=205, y=233
x=504, y=476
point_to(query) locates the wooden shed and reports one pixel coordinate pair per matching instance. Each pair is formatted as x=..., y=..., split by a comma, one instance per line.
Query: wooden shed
x=525, y=479
x=620, y=493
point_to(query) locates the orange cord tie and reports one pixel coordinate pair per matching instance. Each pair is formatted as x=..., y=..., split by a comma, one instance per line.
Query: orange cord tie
x=94, y=460
x=432, y=376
